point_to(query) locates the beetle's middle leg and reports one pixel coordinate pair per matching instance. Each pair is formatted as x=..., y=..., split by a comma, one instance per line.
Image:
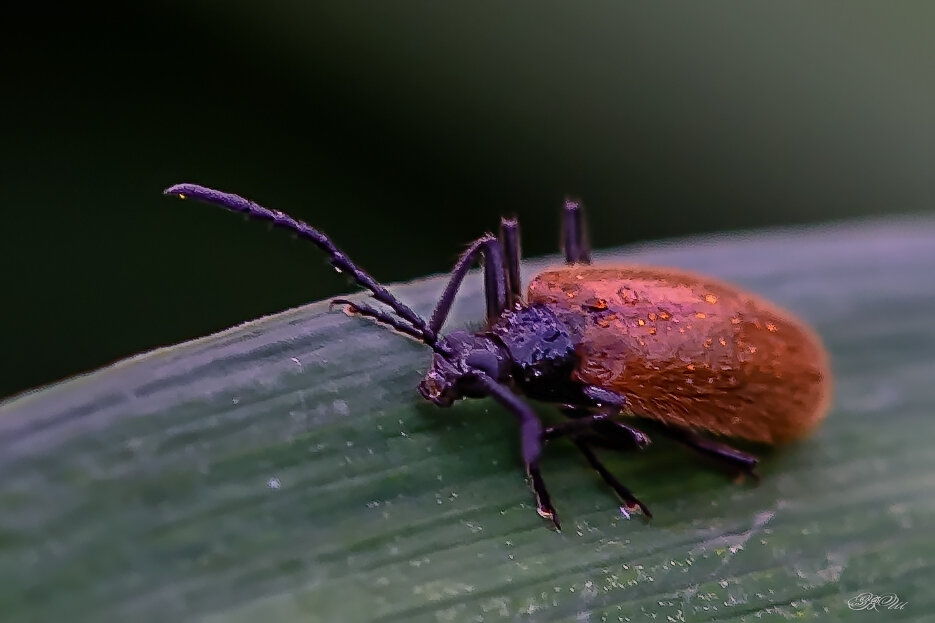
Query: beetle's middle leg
x=611, y=433
x=599, y=429
x=591, y=409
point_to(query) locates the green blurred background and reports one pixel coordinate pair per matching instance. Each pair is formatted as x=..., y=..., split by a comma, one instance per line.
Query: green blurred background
x=404, y=130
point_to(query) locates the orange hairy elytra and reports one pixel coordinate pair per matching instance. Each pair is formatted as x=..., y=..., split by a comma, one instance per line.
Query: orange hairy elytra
x=692, y=351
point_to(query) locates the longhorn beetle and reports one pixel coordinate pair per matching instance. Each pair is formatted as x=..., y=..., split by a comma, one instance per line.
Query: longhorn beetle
x=692, y=353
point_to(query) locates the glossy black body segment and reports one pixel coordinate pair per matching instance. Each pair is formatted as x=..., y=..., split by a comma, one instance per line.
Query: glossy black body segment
x=542, y=350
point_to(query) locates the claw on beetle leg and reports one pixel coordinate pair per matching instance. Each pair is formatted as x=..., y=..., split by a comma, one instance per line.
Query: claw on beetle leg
x=543, y=502
x=627, y=509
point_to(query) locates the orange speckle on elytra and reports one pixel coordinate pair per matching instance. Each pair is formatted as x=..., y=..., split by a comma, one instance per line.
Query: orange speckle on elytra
x=722, y=341
x=606, y=321
x=710, y=298
x=628, y=295
x=640, y=322
x=771, y=327
x=652, y=316
x=652, y=331
x=701, y=315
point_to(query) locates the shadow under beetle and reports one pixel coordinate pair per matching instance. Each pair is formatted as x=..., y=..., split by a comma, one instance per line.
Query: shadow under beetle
x=693, y=353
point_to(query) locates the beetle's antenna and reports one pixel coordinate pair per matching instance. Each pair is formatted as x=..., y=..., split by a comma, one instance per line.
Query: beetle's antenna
x=380, y=316
x=509, y=241
x=575, y=233
x=338, y=259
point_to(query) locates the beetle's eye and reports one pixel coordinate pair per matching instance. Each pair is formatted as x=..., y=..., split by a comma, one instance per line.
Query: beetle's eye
x=485, y=361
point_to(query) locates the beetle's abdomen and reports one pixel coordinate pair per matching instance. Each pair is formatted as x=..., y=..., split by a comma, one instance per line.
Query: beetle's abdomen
x=691, y=351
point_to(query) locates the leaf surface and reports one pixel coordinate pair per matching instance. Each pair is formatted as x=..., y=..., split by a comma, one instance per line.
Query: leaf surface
x=285, y=470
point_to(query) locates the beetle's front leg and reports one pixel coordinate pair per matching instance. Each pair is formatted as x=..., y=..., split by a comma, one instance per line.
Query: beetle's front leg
x=530, y=438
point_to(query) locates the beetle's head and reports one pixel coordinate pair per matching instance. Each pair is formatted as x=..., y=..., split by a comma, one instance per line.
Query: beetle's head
x=453, y=374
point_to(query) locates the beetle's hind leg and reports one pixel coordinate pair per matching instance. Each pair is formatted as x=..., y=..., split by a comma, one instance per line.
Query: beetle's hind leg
x=575, y=243
x=742, y=462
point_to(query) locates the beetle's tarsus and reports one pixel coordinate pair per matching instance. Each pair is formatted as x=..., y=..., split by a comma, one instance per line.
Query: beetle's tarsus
x=547, y=512
x=543, y=501
x=622, y=491
x=553, y=517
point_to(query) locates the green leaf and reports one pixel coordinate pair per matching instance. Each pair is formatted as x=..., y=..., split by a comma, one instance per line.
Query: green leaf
x=285, y=470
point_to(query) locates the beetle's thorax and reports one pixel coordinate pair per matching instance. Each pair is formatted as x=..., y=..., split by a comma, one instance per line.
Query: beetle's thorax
x=529, y=347
x=541, y=348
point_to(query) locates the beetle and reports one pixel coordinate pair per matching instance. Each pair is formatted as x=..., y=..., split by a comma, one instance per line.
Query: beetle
x=696, y=355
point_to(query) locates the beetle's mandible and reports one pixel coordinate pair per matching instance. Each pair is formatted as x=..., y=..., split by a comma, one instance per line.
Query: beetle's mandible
x=692, y=353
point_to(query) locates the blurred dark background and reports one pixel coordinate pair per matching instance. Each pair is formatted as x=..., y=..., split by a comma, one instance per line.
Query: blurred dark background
x=404, y=130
